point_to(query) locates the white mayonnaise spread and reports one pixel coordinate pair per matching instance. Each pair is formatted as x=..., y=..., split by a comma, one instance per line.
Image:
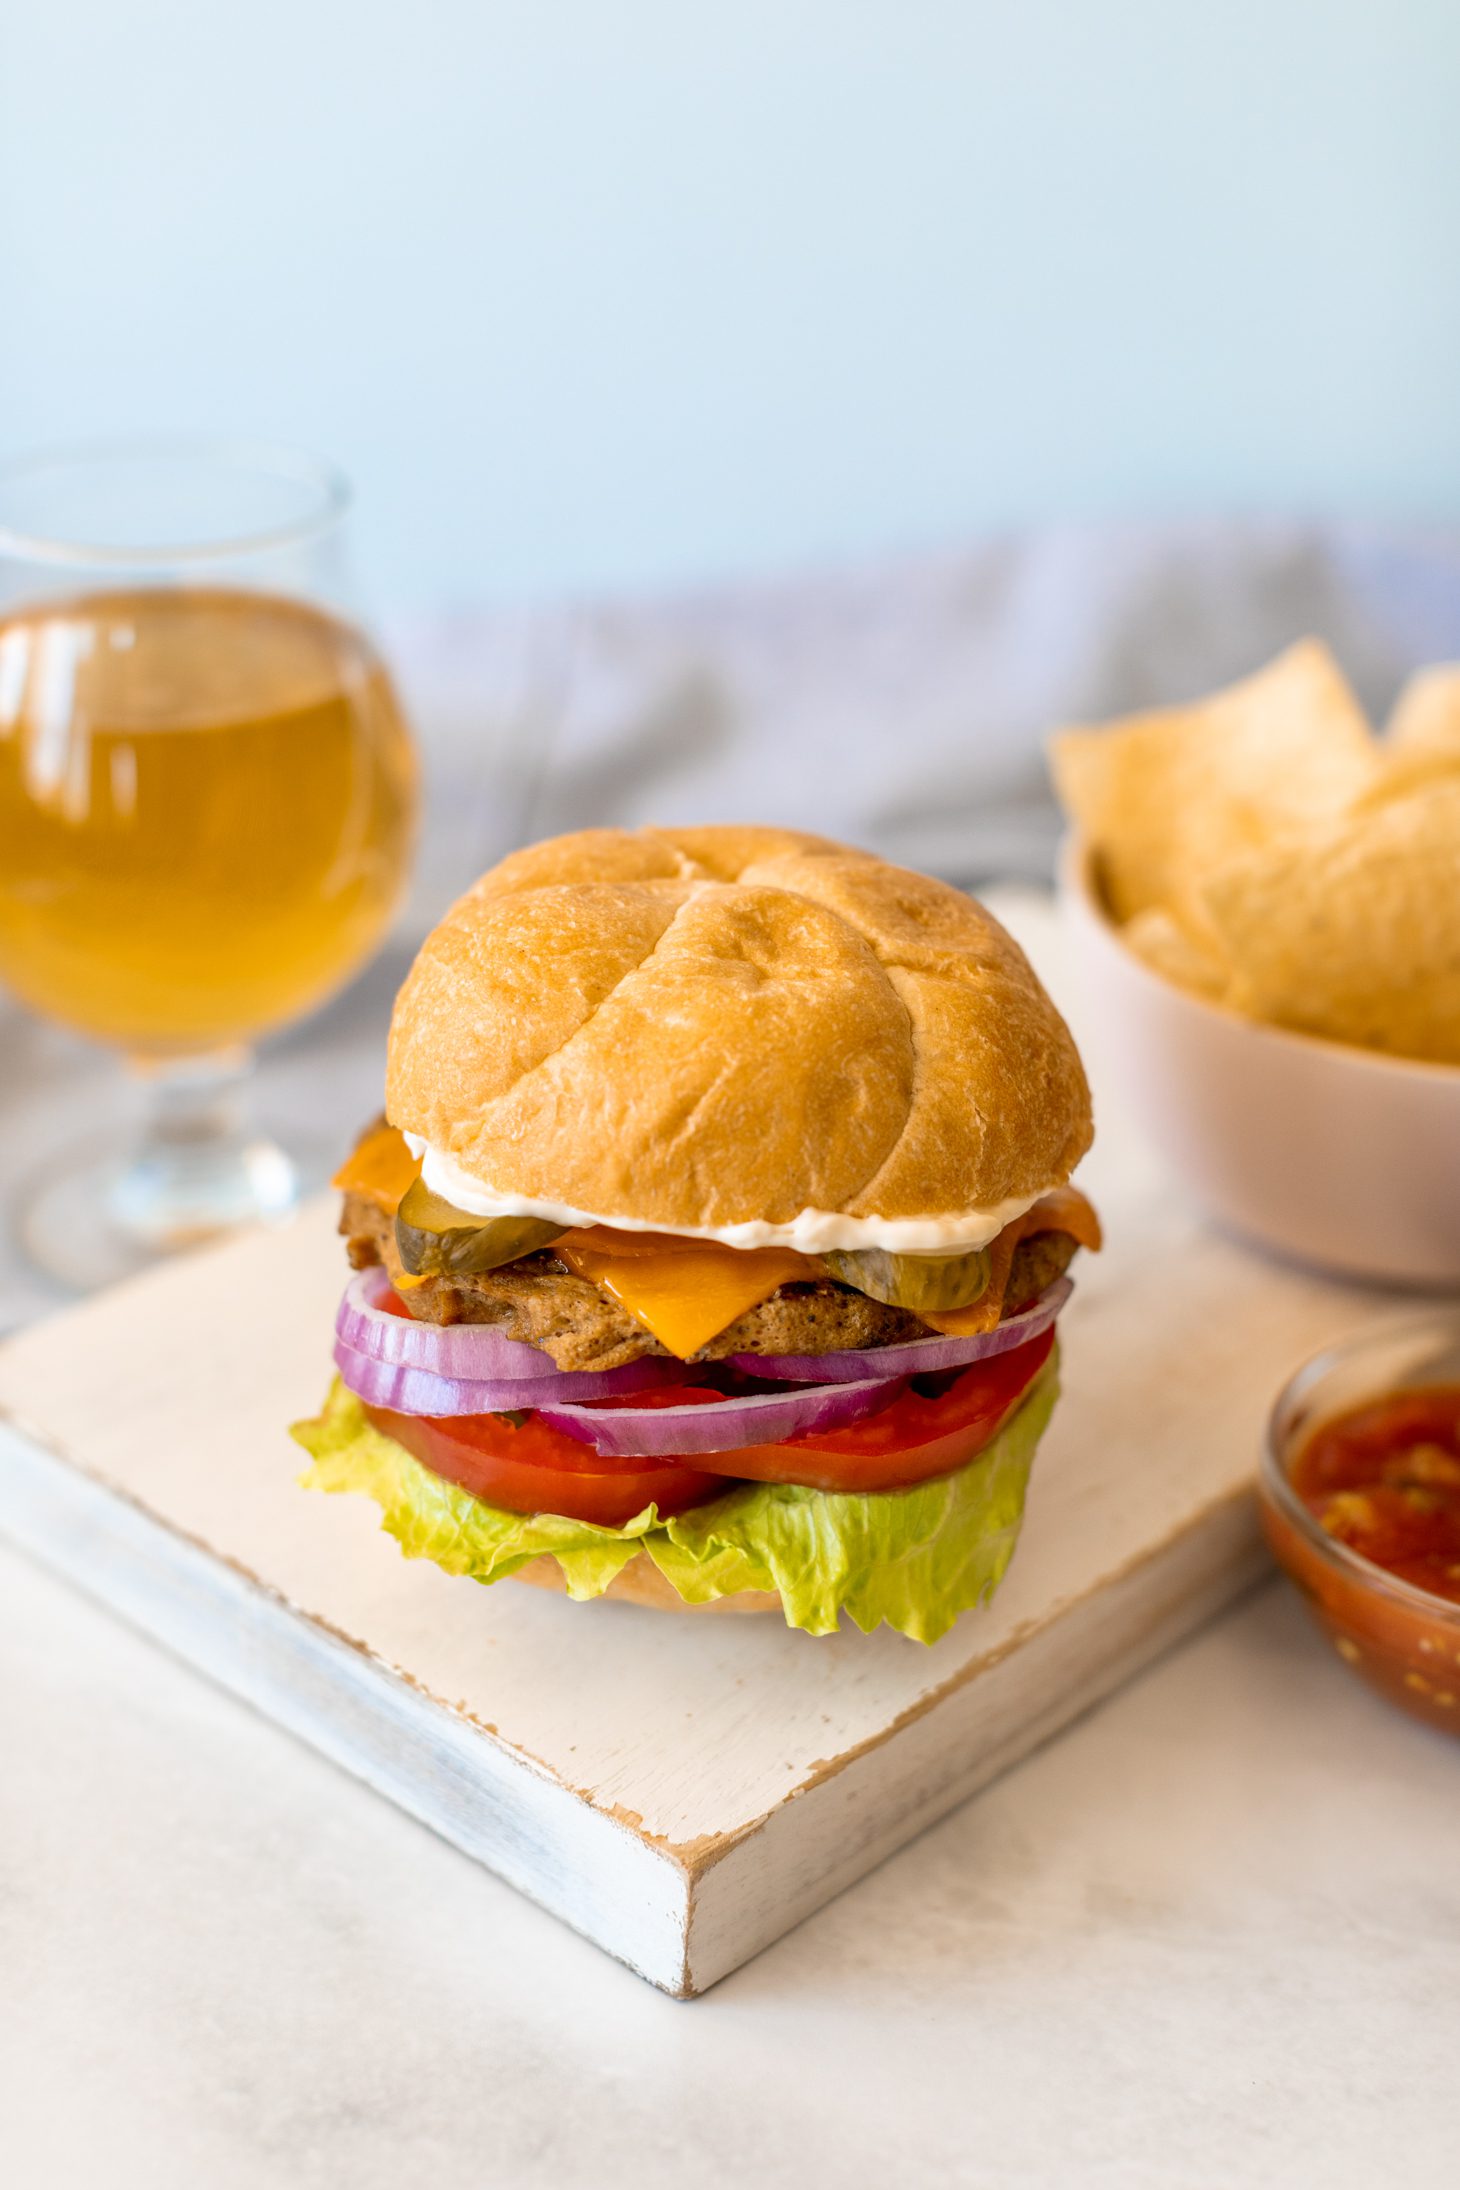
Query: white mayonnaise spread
x=813, y=1232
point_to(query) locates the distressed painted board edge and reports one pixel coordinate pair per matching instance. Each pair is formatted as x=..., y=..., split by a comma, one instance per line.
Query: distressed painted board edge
x=991, y=1715
x=628, y=1896
x=682, y=1917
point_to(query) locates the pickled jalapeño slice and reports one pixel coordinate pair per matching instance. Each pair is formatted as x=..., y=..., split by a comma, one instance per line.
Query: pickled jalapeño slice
x=925, y=1284
x=436, y=1239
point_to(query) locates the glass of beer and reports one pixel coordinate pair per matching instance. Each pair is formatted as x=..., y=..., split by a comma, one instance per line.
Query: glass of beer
x=207, y=806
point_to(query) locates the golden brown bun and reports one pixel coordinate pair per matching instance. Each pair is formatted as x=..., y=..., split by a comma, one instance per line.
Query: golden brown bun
x=641, y=1582
x=718, y=1026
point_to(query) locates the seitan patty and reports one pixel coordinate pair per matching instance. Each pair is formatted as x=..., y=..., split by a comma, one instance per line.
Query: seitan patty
x=539, y=1301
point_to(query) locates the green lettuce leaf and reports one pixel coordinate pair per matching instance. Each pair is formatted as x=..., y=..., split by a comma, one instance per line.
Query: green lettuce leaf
x=433, y=1519
x=914, y=1558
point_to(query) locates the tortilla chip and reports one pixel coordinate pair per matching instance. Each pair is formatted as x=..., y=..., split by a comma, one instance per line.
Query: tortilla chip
x=1170, y=798
x=1422, y=738
x=1355, y=933
x=1426, y=715
x=1179, y=953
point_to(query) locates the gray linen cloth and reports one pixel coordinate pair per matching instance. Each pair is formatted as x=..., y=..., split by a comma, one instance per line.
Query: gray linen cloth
x=903, y=709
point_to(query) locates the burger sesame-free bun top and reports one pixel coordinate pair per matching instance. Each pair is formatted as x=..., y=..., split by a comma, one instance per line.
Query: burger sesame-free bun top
x=696, y=1028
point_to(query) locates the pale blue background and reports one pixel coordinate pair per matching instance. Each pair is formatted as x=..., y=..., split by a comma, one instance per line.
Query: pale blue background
x=594, y=295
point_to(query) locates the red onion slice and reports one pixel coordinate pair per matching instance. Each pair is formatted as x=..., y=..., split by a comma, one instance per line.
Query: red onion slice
x=473, y=1353
x=409, y=1390
x=918, y=1357
x=722, y=1425
x=463, y=1368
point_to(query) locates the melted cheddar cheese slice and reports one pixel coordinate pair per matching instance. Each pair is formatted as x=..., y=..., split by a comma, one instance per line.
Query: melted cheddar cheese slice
x=684, y=1291
x=1065, y=1210
x=380, y=1167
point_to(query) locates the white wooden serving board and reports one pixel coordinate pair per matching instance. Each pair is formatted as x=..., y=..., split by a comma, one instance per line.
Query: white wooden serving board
x=682, y=1791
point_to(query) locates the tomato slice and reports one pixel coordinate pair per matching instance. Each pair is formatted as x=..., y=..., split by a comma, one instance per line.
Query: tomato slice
x=661, y=1395
x=529, y=1467
x=916, y=1438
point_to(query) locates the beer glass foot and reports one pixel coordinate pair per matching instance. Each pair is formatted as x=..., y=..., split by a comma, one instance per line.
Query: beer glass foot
x=198, y=1169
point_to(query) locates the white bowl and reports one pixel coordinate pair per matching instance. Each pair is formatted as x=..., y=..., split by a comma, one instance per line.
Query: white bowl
x=1342, y=1158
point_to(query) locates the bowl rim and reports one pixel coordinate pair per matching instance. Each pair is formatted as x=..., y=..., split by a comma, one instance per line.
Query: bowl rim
x=1274, y=1481
x=1075, y=870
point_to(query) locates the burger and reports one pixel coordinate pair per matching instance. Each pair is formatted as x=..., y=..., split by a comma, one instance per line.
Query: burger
x=709, y=1250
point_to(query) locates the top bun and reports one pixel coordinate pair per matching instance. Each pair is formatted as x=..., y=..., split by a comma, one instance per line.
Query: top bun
x=709, y=1027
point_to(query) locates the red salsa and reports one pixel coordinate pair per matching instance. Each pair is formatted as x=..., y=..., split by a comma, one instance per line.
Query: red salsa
x=1385, y=1480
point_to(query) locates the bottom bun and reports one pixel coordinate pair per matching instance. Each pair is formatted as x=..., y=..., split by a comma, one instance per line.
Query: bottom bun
x=641, y=1582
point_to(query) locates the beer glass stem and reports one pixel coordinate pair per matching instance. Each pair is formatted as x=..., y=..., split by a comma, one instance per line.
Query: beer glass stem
x=201, y=1165
x=198, y=1167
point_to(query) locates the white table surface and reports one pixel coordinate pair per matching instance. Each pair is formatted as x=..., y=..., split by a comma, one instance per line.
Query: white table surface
x=1211, y=1936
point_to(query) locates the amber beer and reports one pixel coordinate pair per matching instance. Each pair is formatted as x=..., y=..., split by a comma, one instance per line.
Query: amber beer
x=207, y=800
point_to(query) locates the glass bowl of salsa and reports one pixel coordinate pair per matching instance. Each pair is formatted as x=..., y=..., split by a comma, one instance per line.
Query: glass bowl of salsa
x=1360, y=1497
